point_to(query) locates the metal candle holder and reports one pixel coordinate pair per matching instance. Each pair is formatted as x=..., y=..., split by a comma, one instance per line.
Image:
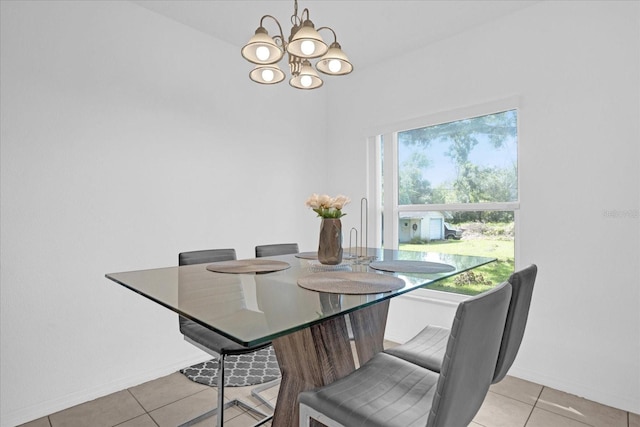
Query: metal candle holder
x=361, y=251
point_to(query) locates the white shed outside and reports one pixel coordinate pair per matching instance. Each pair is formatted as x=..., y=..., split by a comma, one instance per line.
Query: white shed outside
x=425, y=226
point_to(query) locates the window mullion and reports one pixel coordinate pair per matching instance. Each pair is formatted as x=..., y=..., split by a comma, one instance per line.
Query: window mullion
x=506, y=206
x=390, y=166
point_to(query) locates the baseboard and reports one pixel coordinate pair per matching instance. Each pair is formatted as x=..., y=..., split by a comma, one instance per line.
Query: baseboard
x=436, y=297
x=409, y=313
x=48, y=407
x=625, y=403
x=396, y=331
x=394, y=338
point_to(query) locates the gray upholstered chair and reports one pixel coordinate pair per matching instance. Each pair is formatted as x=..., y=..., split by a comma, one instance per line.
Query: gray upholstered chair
x=427, y=348
x=390, y=392
x=276, y=249
x=214, y=343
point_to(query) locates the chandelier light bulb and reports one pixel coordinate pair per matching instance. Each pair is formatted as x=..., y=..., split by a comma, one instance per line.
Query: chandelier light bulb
x=308, y=47
x=334, y=62
x=262, y=49
x=335, y=65
x=267, y=75
x=306, y=81
x=306, y=42
x=305, y=76
x=262, y=53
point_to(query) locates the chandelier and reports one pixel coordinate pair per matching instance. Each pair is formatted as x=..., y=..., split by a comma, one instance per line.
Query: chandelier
x=304, y=43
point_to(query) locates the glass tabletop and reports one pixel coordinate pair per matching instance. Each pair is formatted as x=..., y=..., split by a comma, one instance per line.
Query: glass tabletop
x=258, y=307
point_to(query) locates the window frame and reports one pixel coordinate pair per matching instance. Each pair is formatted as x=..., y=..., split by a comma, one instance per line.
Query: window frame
x=386, y=212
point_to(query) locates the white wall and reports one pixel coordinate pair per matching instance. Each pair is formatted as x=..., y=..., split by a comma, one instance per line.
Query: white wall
x=127, y=138
x=575, y=66
x=117, y=124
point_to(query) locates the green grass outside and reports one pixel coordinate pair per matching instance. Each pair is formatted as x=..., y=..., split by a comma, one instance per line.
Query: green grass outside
x=495, y=272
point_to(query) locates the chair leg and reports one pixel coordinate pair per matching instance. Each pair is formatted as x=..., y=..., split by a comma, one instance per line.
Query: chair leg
x=266, y=417
x=255, y=392
x=221, y=390
x=219, y=410
x=307, y=414
x=305, y=418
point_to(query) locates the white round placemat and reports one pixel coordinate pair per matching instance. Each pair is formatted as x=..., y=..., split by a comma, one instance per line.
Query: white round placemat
x=350, y=282
x=248, y=266
x=409, y=266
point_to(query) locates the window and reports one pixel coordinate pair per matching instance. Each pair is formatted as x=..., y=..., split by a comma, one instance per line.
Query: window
x=454, y=189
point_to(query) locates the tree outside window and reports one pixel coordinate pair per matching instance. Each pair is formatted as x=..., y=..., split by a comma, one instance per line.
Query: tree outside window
x=465, y=171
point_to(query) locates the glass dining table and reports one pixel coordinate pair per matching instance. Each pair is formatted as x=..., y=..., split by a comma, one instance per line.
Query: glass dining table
x=299, y=305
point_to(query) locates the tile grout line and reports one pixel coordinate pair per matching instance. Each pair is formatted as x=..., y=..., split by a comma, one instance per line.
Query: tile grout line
x=554, y=413
x=515, y=400
x=529, y=416
x=143, y=408
x=243, y=411
x=535, y=405
x=567, y=418
x=179, y=400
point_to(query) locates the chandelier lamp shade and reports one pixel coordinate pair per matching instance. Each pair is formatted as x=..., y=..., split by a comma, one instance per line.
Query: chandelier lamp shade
x=303, y=45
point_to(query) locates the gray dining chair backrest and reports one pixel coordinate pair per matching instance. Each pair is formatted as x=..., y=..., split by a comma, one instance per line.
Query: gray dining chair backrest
x=188, y=327
x=207, y=255
x=215, y=343
x=428, y=347
x=522, y=283
x=276, y=249
x=391, y=392
x=470, y=358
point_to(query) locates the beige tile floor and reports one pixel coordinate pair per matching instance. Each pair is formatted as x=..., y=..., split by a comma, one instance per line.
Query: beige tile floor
x=174, y=399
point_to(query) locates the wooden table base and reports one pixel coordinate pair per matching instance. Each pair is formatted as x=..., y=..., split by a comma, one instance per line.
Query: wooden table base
x=321, y=354
x=368, y=327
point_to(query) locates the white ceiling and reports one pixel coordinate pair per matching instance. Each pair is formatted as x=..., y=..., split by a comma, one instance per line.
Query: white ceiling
x=368, y=30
